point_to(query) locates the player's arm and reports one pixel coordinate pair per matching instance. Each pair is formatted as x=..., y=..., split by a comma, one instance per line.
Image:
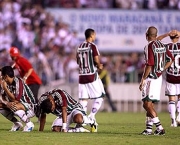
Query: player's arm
x=147, y=70
x=7, y=91
x=163, y=36
x=3, y=102
x=97, y=62
x=64, y=119
x=170, y=59
x=171, y=33
x=64, y=105
x=13, y=65
x=27, y=74
x=168, y=64
x=42, y=120
x=178, y=33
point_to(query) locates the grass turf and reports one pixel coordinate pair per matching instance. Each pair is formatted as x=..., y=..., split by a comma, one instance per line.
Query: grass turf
x=113, y=129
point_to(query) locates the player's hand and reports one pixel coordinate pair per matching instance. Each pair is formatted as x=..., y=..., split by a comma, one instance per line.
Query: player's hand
x=12, y=106
x=24, y=80
x=100, y=66
x=173, y=33
x=141, y=85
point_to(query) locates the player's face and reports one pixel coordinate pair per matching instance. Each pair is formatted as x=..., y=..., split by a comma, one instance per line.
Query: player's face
x=147, y=34
x=53, y=104
x=13, y=58
x=93, y=36
x=6, y=78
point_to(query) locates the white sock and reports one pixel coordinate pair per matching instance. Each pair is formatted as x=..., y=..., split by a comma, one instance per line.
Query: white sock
x=149, y=119
x=30, y=114
x=87, y=120
x=156, y=122
x=149, y=124
x=95, y=107
x=172, y=109
x=22, y=115
x=84, y=104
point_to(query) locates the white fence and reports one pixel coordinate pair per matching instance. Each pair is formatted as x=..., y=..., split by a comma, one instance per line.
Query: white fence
x=126, y=97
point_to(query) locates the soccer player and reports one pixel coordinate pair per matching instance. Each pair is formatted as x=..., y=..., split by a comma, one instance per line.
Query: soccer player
x=104, y=75
x=67, y=110
x=90, y=84
x=173, y=76
x=26, y=71
x=17, y=98
x=158, y=58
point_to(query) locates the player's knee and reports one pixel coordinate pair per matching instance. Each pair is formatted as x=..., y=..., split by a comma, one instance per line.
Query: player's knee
x=147, y=105
x=78, y=118
x=56, y=129
x=99, y=100
x=20, y=106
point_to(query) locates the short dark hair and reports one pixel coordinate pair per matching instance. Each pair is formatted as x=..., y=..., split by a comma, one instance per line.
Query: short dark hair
x=174, y=37
x=7, y=70
x=88, y=32
x=46, y=106
x=151, y=31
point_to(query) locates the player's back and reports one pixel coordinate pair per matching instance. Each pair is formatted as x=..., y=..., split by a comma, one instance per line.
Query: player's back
x=173, y=72
x=85, y=58
x=22, y=92
x=61, y=98
x=156, y=57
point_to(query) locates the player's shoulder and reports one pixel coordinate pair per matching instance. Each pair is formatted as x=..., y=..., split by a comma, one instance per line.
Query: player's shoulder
x=92, y=43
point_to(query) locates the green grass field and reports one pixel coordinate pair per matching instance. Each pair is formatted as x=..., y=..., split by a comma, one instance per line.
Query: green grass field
x=114, y=129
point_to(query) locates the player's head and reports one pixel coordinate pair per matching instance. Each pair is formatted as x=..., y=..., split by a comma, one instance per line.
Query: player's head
x=151, y=33
x=46, y=106
x=7, y=70
x=14, y=52
x=7, y=73
x=174, y=37
x=90, y=34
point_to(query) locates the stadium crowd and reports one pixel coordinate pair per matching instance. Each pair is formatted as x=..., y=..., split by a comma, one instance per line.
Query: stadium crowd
x=50, y=44
x=122, y=4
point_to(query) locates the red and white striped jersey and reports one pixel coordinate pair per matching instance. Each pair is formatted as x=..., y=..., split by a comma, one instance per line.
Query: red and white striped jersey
x=21, y=91
x=156, y=55
x=61, y=99
x=173, y=72
x=85, y=59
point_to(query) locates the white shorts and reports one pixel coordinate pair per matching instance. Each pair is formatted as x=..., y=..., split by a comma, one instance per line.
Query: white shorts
x=152, y=89
x=91, y=90
x=172, y=89
x=58, y=120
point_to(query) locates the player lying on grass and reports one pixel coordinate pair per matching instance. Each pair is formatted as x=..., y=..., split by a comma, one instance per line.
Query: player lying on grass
x=67, y=110
x=16, y=100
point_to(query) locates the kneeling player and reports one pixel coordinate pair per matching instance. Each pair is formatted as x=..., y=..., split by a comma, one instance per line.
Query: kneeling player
x=17, y=99
x=67, y=110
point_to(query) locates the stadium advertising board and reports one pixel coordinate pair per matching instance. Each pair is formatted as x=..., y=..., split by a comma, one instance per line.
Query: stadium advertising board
x=118, y=30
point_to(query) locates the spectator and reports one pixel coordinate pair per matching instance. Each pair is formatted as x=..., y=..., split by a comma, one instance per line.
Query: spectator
x=104, y=75
x=26, y=71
